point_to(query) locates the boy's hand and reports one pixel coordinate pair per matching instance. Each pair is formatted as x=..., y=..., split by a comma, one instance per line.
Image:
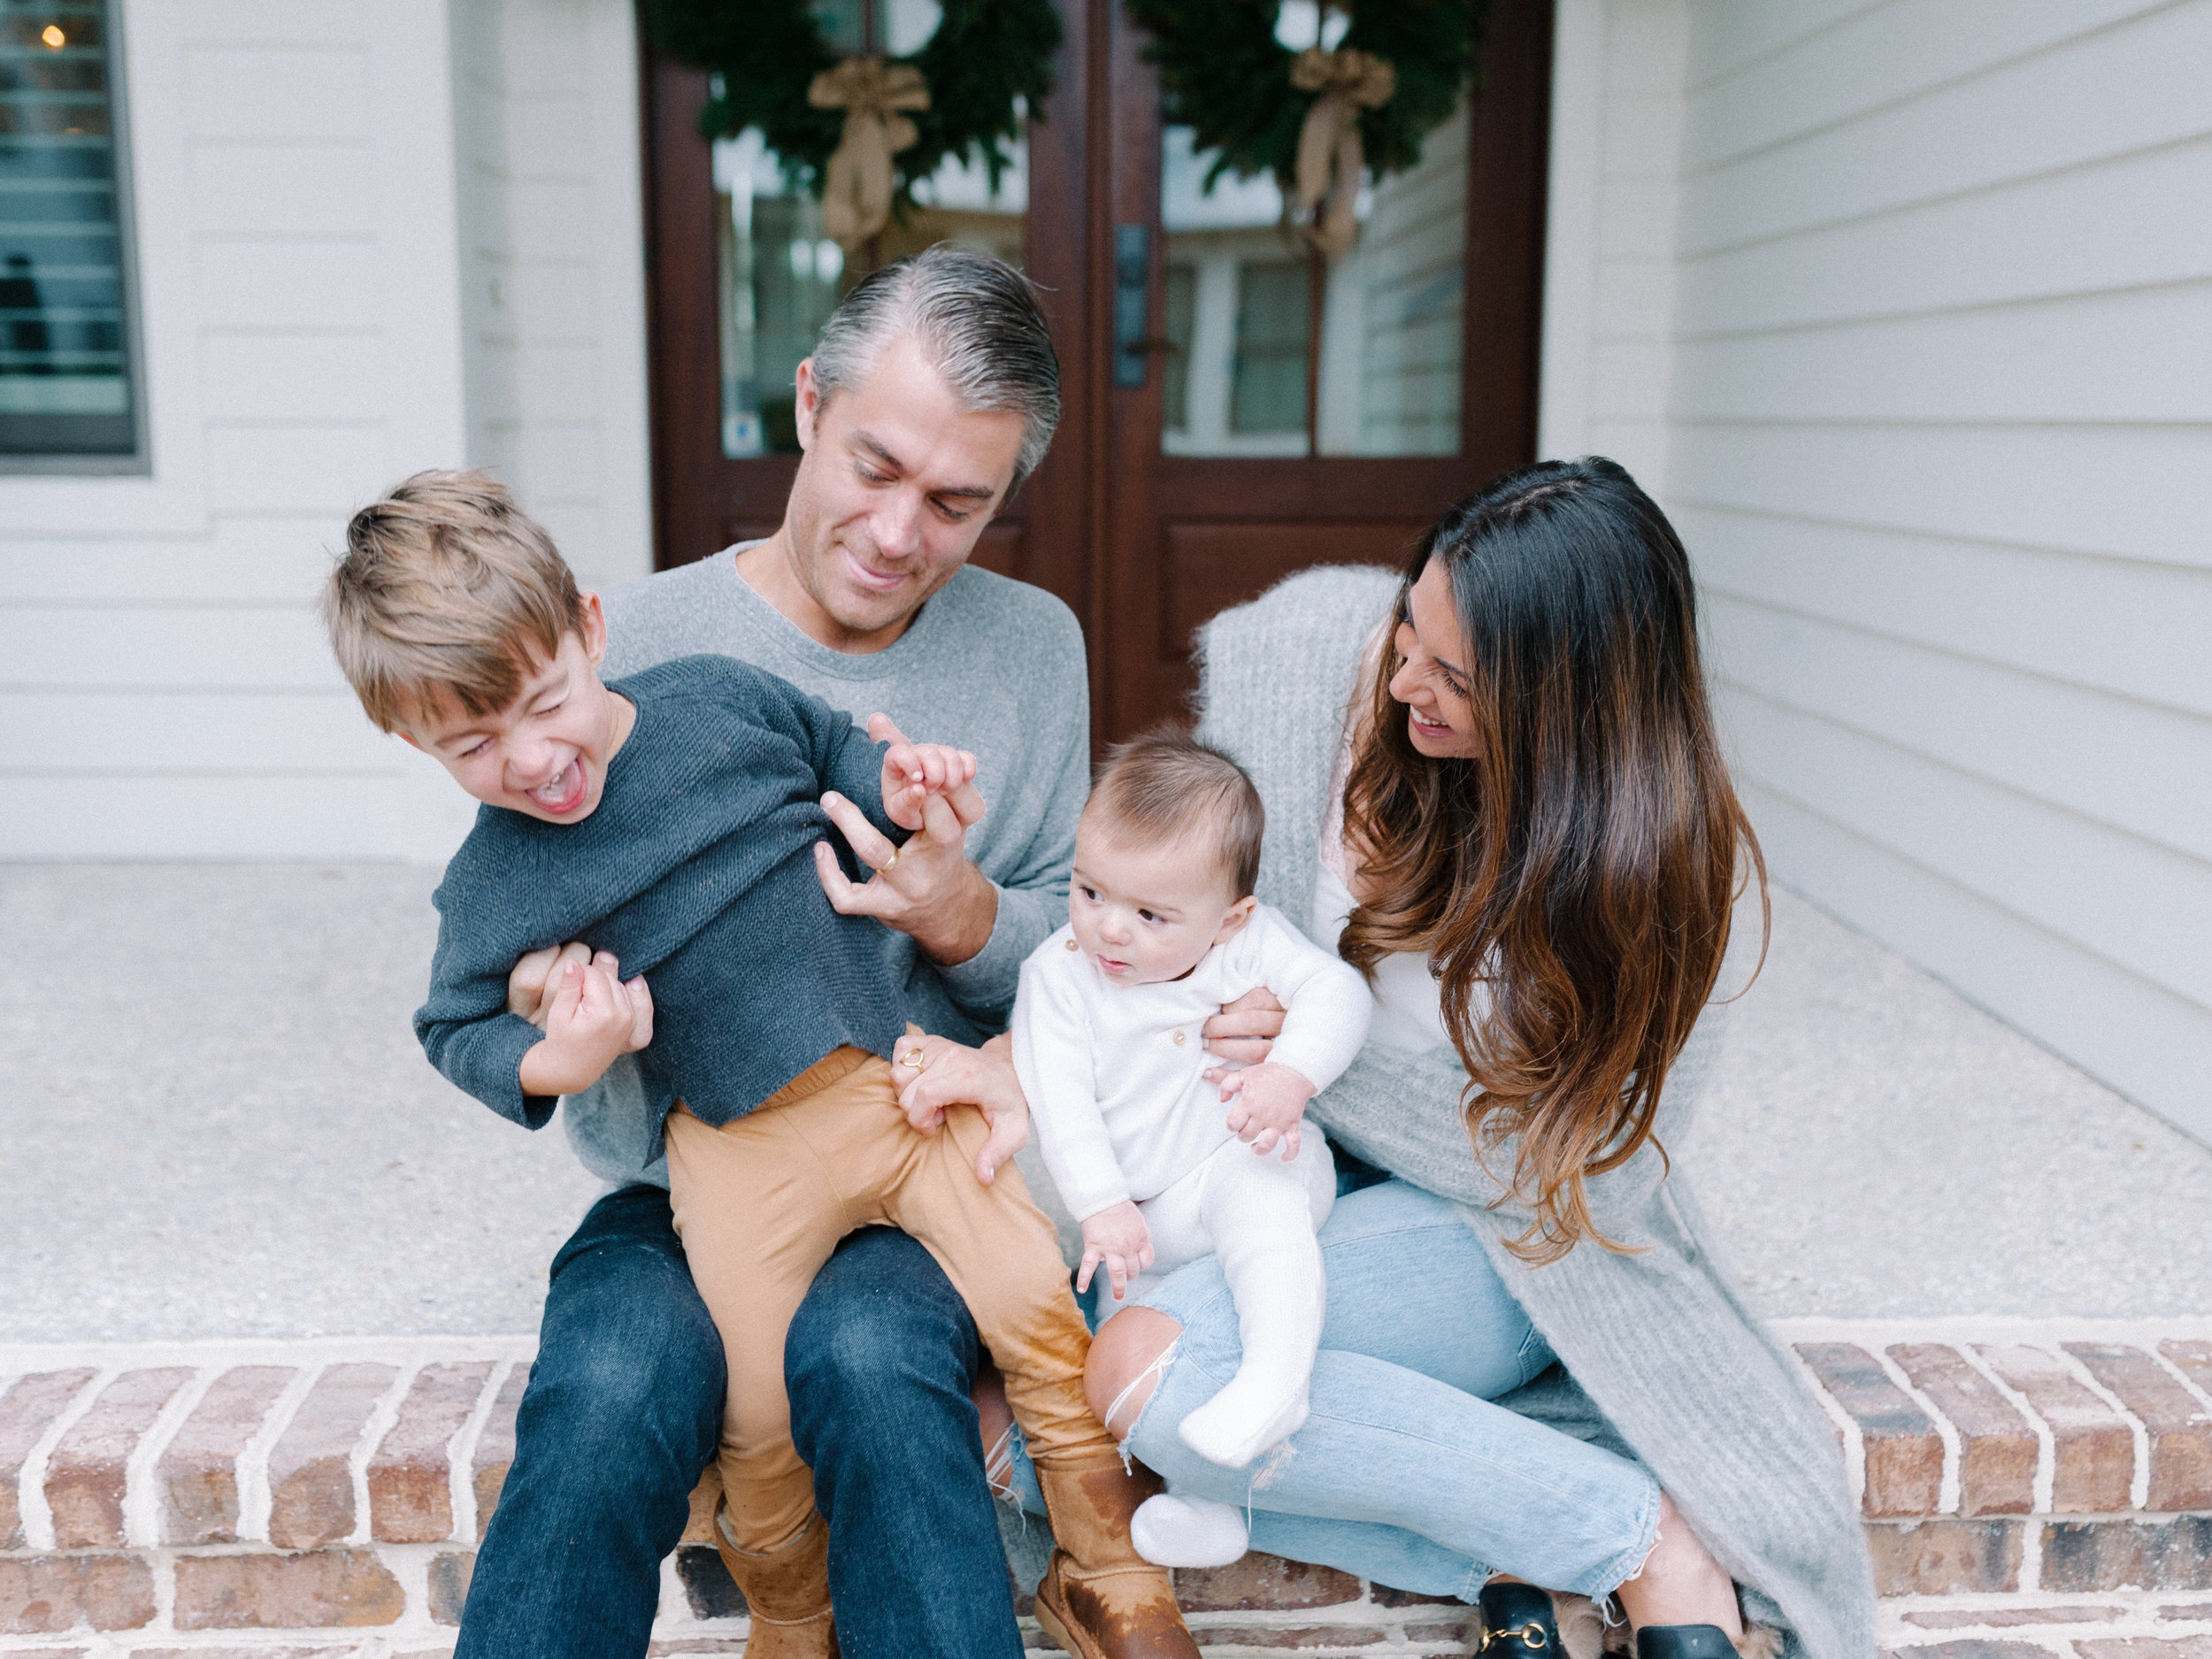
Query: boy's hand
x=1118, y=1239
x=913, y=772
x=592, y=1017
x=939, y=1072
x=1266, y=1104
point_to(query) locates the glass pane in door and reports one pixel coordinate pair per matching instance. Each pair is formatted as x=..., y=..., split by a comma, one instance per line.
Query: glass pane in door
x=780, y=277
x=1241, y=322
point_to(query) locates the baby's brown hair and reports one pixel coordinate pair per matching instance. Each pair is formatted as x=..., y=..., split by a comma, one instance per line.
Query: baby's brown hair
x=446, y=592
x=1165, y=784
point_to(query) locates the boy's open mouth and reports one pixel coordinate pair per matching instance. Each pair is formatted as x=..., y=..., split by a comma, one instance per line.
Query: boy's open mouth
x=563, y=793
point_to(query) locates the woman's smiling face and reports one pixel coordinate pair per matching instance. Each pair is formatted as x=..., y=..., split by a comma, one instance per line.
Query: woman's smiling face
x=1432, y=677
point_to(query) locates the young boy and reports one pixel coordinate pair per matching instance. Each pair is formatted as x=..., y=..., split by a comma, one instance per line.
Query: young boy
x=669, y=821
x=1162, y=930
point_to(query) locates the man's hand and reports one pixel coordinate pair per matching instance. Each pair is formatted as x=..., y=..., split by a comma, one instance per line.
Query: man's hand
x=1244, y=1030
x=1118, y=1239
x=928, y=889
x=1266, y=1104
x=592, y=1017
x=950, y=1074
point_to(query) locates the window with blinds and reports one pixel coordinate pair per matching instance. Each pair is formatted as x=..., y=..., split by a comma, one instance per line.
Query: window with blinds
x=67, y=391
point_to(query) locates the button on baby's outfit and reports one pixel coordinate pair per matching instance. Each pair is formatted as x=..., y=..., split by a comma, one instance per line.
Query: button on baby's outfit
x=1073, y=946
x=1179, y=1038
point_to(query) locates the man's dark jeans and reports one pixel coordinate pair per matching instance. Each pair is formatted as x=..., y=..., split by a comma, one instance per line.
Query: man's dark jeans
x=623, y=1410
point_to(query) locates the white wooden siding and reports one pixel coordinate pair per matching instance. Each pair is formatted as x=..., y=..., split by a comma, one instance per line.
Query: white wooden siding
x=553, y=290
x=308, y=316
x=1608, y=275
x=295, y=199
x=1940, y=408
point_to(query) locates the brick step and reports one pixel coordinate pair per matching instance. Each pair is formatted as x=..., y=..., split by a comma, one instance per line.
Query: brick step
x=2030, y=1489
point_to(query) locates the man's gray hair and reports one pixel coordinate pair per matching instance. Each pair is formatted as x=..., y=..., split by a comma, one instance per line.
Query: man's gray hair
x=977, y=323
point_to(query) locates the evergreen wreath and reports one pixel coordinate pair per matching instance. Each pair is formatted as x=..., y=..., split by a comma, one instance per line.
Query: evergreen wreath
x=1223, y=74
x=985, y=55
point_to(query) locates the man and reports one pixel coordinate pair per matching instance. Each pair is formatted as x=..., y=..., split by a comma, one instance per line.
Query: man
x=933, y=393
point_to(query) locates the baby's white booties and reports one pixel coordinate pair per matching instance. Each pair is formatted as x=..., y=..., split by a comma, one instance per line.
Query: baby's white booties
x=1171, y=1529
x=1259, y=1409
x=1276, y=1284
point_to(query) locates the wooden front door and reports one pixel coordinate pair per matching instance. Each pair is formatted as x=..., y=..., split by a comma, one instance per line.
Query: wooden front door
x=1275, y=413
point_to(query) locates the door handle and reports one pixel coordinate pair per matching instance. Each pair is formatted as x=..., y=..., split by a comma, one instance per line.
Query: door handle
x=1132, y=303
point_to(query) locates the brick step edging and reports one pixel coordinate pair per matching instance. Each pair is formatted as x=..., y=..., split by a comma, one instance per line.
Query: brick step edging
x=2048, y=1483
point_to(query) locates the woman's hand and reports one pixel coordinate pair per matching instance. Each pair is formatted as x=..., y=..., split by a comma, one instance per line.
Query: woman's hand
x=1265, y=1104
x=1118, y=1239
x=928, y=889
x=940, y=1072
x=1243, y=1031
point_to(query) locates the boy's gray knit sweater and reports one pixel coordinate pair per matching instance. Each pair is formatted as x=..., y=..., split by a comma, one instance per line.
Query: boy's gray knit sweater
x=1661, y=1359
x=991, y=665
x=696, y=868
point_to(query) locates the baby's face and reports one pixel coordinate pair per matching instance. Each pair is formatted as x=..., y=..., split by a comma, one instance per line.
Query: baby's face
x=1147, y=914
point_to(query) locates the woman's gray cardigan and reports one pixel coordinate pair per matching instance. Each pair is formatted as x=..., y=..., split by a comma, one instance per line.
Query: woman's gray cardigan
x=1665, y=1361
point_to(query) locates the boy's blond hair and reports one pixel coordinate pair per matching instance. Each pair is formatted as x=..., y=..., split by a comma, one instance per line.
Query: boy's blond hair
x=1166, y=785
x=447, y=594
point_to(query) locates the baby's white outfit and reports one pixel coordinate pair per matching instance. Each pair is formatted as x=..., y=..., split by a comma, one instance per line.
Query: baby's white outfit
x=1114, y=1074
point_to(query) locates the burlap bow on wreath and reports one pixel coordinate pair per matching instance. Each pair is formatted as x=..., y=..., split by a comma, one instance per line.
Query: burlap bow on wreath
x=1330, y=158
x=857, y=183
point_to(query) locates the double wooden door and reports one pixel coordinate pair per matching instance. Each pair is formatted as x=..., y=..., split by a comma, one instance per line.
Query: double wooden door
x=1235, y=408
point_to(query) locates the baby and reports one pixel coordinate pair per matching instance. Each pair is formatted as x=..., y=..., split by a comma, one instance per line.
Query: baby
x=1160, y=1164
x=668, y=820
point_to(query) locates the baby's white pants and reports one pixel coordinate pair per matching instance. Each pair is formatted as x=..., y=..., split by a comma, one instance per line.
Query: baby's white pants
x=1258, y=1216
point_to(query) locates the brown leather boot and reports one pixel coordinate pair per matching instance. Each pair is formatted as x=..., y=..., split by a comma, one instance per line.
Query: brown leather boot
x=787, y=1594
x=1100, y=1598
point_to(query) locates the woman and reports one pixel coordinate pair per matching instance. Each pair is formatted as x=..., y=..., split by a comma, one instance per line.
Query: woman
x=1507, y=793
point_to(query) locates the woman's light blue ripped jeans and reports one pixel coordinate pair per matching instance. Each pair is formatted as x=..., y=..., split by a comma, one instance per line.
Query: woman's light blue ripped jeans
x=1405, y=1473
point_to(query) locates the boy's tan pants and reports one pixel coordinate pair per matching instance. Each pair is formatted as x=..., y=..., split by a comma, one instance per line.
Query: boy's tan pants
x=760, y=1203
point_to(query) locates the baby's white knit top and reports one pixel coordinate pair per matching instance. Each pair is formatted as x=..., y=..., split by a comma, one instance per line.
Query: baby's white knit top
x=1114, y=1072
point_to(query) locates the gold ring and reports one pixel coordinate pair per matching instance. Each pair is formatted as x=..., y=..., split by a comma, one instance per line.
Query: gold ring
x=912, y=1057
x=884, y=869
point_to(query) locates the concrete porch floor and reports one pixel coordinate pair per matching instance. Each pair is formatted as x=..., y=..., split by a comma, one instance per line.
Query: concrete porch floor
x=216, y=1123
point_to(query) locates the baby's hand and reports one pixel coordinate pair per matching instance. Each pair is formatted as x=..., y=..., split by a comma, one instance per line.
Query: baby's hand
x=594, y=1016
x=913, y=772
x=1116, y=1239
x=1265, y=1104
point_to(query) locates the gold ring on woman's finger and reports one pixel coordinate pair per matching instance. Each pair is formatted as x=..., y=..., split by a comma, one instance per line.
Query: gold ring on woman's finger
x=884, y=869
x=912, y=1057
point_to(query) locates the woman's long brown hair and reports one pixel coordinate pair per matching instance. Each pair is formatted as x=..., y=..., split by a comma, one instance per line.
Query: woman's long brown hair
x=1582, y=867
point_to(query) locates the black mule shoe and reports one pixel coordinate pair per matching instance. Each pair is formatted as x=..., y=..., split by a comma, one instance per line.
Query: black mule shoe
x=1684, y=1641
x=1518, y=1623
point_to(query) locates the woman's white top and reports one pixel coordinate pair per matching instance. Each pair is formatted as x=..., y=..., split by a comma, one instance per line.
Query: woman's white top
x=1114, y=1072
x=1408, y=1001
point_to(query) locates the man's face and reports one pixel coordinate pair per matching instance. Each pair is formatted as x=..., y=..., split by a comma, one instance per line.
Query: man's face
x=545, y=753
x=896, y=483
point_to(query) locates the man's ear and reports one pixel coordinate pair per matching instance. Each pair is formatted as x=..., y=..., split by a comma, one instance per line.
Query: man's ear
x=408, y=738
x=593, y=632
x=809, y=404
x=1233, y=923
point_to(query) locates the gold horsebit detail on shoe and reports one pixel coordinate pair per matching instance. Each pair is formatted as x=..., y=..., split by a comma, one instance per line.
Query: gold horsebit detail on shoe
x=1531, y=1635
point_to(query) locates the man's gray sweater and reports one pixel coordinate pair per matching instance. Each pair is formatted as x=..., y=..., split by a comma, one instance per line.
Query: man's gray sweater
x=991, y=665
